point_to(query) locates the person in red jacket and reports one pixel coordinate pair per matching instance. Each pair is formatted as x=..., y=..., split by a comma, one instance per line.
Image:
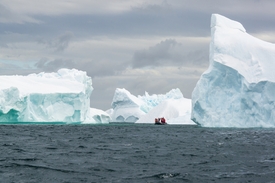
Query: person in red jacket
x=163, y=120
x=156, y=120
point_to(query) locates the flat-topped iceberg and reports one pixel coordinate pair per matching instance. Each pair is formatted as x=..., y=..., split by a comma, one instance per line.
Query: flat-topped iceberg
x=238, y=88
x=63, y=96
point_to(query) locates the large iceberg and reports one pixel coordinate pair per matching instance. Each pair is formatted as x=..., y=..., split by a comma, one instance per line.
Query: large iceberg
x=238, y=88
x=143, y=109
x=63, y=96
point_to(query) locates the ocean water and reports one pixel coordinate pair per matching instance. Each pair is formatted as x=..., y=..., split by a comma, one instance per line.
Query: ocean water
x=135, y=153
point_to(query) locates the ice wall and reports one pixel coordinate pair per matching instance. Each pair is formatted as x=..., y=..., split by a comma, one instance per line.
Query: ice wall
x=63, y=96
x=238, y=88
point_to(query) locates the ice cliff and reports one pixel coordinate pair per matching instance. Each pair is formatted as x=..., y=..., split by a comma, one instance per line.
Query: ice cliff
x=63, y=96
x=238, y=88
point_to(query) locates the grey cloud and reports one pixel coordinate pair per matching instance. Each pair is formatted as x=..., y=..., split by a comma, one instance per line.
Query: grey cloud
x=4, y=45
x=8, y=69
x=161, y=85
x=16, y=71
x=93, y=68
x=53, y=65
x=155, y=55
x=102, y=68
x=163, y=7
x=62, y=41
x=58, y=44
x=198, y=58
x=4, y=13
x=170, y=52
x=156, y=20
x=169, y=18
x=8, y=16
x=13, y=69
x=133, y=23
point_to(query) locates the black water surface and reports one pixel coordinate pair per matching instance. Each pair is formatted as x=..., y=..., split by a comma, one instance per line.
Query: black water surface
x=135, y=153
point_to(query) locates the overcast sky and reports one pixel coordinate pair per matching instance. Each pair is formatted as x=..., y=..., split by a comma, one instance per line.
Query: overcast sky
x=138, y=45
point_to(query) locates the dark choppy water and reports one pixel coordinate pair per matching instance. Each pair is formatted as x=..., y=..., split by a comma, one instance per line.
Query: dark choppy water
x=135, y=153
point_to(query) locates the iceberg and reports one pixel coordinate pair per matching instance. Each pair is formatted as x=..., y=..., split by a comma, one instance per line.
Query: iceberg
x=144, y=109
x=238, y=88
x=175, y=111
x=63, y=96
x=125, y=107
x=97, y=116
x=151, y=101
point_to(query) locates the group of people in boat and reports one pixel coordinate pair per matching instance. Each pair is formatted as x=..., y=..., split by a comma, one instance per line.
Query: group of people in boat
x=160, y=121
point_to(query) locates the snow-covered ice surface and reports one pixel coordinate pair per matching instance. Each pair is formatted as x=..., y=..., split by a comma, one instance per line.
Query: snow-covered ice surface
x=238, y=88
x=144, y=109
x=63, y=96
